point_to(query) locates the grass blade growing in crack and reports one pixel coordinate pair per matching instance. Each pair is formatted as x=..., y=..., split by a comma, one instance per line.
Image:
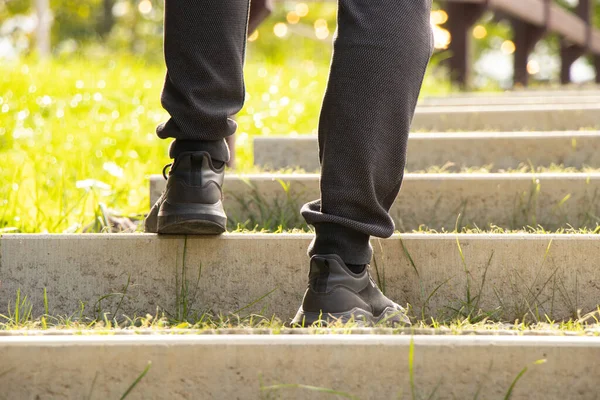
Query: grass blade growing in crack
x=411, y=371
x=487, y=267
x=310, y=388
x=6, y=372
x=46, y=312
x=508, y=395
x=92, y=387
x=138, y=379
x=410, y=259
x=426, y=303
x=254, y=302
x=123, y=295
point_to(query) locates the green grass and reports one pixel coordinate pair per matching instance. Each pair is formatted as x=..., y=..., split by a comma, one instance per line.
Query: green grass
x=523, y=168
x=588, y=324
x=77, y=138
x=448, y=168
x=79, y=132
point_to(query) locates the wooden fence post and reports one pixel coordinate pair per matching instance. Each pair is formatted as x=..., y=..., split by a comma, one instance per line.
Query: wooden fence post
x=525, y=37
x=461, y=17
x=569, y=53
x=108, y=19
x=43, y=29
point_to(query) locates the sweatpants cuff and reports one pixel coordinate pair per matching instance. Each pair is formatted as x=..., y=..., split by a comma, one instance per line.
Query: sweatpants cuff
x=217, y=149
x=352, y=246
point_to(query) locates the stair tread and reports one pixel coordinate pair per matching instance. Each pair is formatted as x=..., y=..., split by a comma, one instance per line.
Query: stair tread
x=150, y=269
x=257, y=366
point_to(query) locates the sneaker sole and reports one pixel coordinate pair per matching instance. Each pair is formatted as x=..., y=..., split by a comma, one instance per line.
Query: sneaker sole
x=191, y=219
x=389, y=316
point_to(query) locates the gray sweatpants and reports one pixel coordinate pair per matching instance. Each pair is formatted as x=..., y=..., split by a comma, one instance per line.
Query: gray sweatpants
x=380, y=54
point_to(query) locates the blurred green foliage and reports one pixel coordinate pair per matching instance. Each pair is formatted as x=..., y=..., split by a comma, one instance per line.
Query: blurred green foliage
x=106, y=27
x=75, y=19
x=111, y=24
x=116, y=22
x=13, y=7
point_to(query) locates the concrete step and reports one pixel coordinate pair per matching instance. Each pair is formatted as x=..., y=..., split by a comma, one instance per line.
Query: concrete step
x=559, y=91
x=533, y=117
x=276, y=367
x=434, y=200
x=502, y=150
x=502, y=99
x=509, y=277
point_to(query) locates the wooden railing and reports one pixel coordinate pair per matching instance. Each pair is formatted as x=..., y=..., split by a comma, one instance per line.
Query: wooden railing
x=531, y=20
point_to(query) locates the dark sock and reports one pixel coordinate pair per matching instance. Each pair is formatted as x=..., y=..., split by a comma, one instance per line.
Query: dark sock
x=218, y=164
x=217, y=149
x=351, y=245
x=356, y=268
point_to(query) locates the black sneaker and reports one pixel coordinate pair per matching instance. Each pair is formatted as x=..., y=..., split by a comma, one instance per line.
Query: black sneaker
x=192, y=202
x=336, y=294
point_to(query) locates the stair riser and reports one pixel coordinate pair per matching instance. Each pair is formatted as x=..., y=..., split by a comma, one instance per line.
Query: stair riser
x=507, y=118
x=507, y=100
x=550, y=95
x=546, y=274
x=436, y=201
x=233, y=367
x=502, y=151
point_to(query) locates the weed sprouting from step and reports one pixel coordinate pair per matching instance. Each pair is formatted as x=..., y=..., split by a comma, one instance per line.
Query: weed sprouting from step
x=483, y=379
x=273, y=215
x=89, y=397
x=530, y=292
x=527, y=204
x=591, y=209
x=115, y=313
x=425, y=303
x=508, y=395
x=469, y=308
x=252, y=303
x=100, y=314
x=268, y=391
x=536, y=296
x=411, y=368
x=560, y=213
x=138, y=379
x=413, y=389
x=21, y=314
x=185, y=297
x=8, y=371
x=410, y=259
x=411, y=374
x=464, y=265
x=46, y=310
x=322, y=390
x=461, y=212
x=430, y=296
x=572, y=304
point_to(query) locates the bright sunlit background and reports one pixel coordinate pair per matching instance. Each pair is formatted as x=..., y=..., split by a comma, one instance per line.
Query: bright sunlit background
x=77, y=127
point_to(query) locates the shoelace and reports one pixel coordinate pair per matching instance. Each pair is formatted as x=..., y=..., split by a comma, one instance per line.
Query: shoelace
x=164, y=173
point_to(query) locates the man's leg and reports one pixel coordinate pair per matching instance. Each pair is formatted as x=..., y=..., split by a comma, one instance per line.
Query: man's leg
x=380, y=56
x=259, y=11
x=204, y=52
